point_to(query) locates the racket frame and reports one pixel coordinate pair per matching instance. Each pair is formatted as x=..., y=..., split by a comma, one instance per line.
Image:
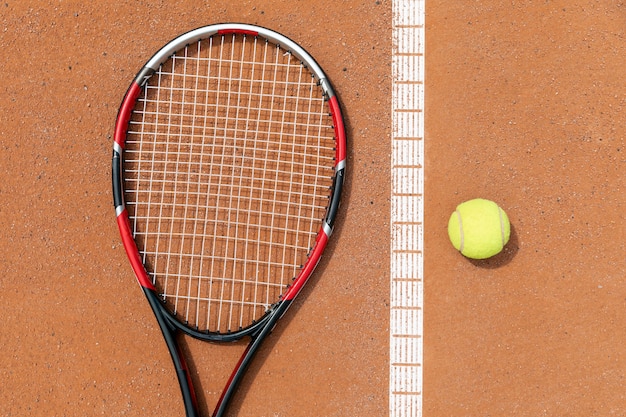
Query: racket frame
x=169, y=325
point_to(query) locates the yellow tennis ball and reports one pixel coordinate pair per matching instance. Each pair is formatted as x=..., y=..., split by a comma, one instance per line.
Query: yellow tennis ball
x=479, y=229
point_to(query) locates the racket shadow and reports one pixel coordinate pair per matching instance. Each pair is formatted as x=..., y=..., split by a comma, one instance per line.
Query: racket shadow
x=210, y=379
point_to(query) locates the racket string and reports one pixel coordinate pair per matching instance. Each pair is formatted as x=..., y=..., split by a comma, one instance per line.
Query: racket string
x=228, y=164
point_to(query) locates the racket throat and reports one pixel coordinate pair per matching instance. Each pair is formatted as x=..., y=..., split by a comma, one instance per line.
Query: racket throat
x=178, y=358
x=257, y=339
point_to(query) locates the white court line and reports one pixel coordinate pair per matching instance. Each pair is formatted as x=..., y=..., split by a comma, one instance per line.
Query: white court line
x=407, y=210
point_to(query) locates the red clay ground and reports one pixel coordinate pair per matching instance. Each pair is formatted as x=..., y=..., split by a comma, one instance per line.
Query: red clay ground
x=525, y=106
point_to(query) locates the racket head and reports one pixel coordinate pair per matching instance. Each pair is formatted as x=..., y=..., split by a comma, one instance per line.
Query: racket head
x=228, y=163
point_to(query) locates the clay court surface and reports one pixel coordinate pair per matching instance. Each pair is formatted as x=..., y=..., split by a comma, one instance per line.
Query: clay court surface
x=525, y=105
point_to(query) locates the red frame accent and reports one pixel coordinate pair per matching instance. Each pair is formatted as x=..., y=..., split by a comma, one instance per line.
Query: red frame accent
x=238, y=31
x=131, y=250
x=335, y=111
x=309, y=266
x=123, y=117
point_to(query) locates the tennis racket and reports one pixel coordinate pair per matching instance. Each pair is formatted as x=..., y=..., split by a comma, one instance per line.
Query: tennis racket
x=228, y=163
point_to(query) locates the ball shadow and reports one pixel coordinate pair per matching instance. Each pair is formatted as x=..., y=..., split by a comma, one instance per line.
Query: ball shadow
x=503, y=258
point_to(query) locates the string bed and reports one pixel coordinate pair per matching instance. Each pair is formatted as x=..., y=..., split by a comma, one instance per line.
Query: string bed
x=228, y=166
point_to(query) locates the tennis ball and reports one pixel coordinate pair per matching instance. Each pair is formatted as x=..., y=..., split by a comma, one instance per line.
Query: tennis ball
x=479, y=229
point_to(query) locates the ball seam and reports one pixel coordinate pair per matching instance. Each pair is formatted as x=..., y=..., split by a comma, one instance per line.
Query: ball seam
x=501, y=226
